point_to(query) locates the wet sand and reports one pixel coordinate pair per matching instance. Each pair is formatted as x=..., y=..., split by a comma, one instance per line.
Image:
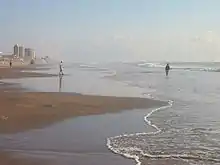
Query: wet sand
x=21, y=111
x=163, y=162
x=25, y=110
x=6, y=159
x=17, y=72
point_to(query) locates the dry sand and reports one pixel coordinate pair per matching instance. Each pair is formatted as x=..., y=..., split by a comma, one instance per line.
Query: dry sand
x=22, y=111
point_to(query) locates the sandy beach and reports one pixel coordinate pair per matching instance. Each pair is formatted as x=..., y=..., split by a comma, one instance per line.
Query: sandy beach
x=21, y=111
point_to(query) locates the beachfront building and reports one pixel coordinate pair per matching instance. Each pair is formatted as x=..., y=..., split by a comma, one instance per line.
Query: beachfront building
x=30, y=53
x=5, y=57
x=21, y=51
x=16, y=50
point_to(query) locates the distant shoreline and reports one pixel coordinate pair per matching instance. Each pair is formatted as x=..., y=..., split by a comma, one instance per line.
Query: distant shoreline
x=13, y=97
x=22, y=111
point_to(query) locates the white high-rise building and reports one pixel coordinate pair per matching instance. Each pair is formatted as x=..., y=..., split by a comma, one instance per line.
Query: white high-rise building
x=21, y=51
x=16, y=50
x=26, y=52
x=33, y=55
x=29, y=53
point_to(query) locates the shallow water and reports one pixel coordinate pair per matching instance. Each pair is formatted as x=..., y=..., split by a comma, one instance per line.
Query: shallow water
x=76, y=141
x=189, y=130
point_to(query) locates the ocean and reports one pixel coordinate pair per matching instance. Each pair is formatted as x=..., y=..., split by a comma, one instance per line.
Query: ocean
x=187, y=131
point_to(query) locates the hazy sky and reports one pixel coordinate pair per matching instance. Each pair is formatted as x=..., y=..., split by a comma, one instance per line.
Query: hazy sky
x=97, y=30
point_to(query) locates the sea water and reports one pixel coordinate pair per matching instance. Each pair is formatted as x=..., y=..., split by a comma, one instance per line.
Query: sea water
x=186, y=131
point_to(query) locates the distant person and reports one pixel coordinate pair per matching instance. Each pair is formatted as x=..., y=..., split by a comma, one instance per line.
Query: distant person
x=167, y=69
x=10, y=63
x=61, y=68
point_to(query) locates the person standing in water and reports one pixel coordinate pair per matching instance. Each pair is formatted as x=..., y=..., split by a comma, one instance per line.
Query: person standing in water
x=61, y=68
x=167, y=69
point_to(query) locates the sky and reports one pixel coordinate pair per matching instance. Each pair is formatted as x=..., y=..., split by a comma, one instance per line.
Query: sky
x=113, y=30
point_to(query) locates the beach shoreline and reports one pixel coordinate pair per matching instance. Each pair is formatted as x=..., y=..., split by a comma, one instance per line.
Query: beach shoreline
x=22, y=111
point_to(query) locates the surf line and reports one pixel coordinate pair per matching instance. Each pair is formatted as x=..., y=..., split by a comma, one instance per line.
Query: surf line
x=119, y=150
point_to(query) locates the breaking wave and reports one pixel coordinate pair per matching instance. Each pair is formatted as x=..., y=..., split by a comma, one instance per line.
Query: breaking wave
x=183, y=66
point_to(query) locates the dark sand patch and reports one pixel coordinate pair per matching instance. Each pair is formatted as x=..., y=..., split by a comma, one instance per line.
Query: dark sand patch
x=26, y=110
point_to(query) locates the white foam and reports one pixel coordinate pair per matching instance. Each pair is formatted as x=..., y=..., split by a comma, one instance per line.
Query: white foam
x=119, y=150
x=110, y=73
x=152, y=65
x=86, y=66
x=130, y=156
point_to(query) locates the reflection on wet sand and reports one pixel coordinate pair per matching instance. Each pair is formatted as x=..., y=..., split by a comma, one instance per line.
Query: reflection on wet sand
x=60, y=83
